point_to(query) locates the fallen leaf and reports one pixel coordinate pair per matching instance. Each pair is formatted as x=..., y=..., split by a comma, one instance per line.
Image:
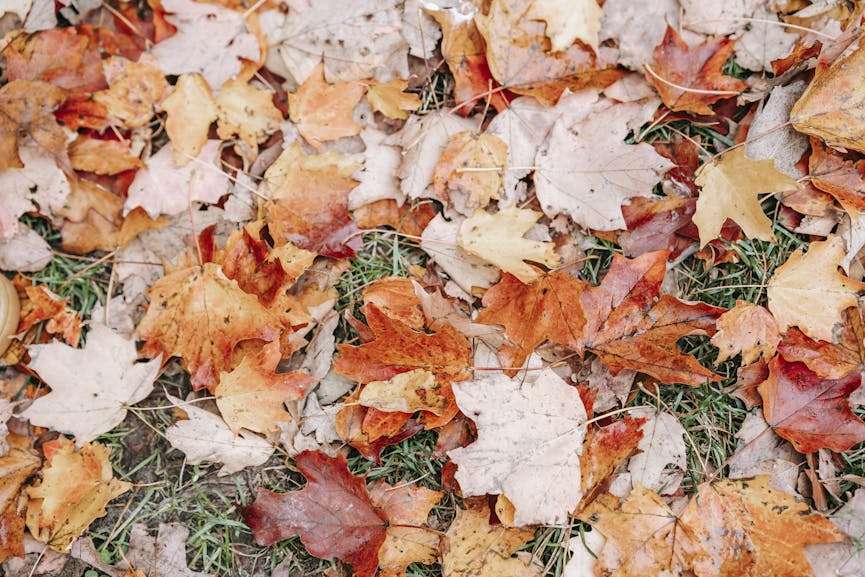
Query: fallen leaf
x=691, y=79
x=530, y=436
x=771, y=136
x=605, y=449
x=405, y=393
x=568, y=21
x=16, y=466
x=759, y=451
x=93, y=399
x=92, y=219
x=396, y=298
x=656, y=224
x=439, y=241
x=842, y=559
x=190, y=110
x=808, y=291
x=25, y=251
x=730, y=189
x=469, y=173
x=252, y=396
x=163, y=187
x=719, y=19
x=248, y=112
x=40, y=186
x=308, y=203
x=60, y=56
x=662, y=444
x=163, y=555
x=40, y=305
x=332, y=514
x=377, y=180
x=584, y=553
x=392, y=100
x=101, y=156
x=588, y=171
x=74, y=490
x=199, y=315
x=498, y=239
x=842, y=178
x=765, y=41
x=829, y=360
x=397, y=348
x=810, y=411
x=204, y=437
x=323, y=111
x=136, y=89
x=832, y=106
x=747, y=329
x=475, y=548
x=26, y=111
x=637, y=28
x=210, y=40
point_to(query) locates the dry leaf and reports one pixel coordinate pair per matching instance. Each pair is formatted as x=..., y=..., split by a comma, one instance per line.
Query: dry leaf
x=323, y=111
x=163, y=555
x=391, y=99
x=498, y=239
x=469, y=173
x=842, y=559
x=530, y=436
x=101, y=156
x=136, y=89
x=662, y=444
x=26, y=110
x=62, y=56
x=190, y=111
x=92, y=399
x=730, y=188
x=439, y=241
x=568, y=21
x=246, y=111
x=747, y=329
x=406, y=392
x=807, y=291
x=637, y=28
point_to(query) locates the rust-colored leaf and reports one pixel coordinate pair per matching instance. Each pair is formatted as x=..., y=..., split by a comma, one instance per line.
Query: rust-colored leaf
x=60, y=56
x=604, y=449
x=844, y=179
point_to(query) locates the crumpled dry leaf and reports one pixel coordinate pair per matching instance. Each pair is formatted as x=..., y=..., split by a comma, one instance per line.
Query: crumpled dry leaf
x=92, y=399
x=731, y=185
x=252, y=396
x=73, y=492
x=323, y=111
x=190, y=111
x=210, y=39
x=588, y=171
x=136, y=89
x=842, y=559
x=163, y=187
x=26, y=109
x=748, y=329
x=407, y=392
x=377, y=180
x=469, y=173
x=498, y=239
x=101, y=156
x=204, y=437
x=637, y=28
x=199, y=315
x=530, y=436
x=759, y=451
x=807, y=291
x=765, y=40
x=25, y=251
x=40, y=304
x=246, y=111
x=662, y=444
x=39, y=183
x=62, y=56
x=475, y=548
x=768, y=138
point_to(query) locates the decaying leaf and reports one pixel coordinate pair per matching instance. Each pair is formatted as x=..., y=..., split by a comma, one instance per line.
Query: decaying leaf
x=568, y=21
x=530, y=436
x=332, y=514
x=75, y=487
x=498, y=239
x=135, y=90
x=405, y=393
x=469, y=173
x=92, y=399
x=747, y=329
x=842, y=559
x=323, y=111
x=162, y=555
x=26, y=109
x=809, y=292
x=391, y=99
x=246, y=111
x=190, y=111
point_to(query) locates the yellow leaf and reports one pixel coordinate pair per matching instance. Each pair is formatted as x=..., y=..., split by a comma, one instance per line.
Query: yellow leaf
x=748, y=329
x=246, y=111
x=569, y=20
x=101, y=156
x=809, y=292
x=729, y=189
x=391, y=99
x=408, y=392
x=190, y=111
x=498, y=239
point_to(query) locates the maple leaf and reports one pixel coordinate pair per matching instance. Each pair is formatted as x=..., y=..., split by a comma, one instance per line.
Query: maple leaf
x=16, y=465
x=75, y=487
x=656, y=224
x=60, y=56
x=397, y=348
x=309, y=200
x=498, y=239
x=730, y=186
x=396, y=298
x=588, y=171
x=439, y=241
x=378, y=177
x=323, y=111
x=662, y=444
x=829, y=360
x=199, y=315
x=475, y=548
x=204, y=437
x=136, y=88
x=832, y=106
x=604, y=449
x=463, y=49
x=41, y=304
x=808, y=291
x=842, y=178
x=163, y=187
x=391, y=99
x=810, y=411
x=637, y=29
x=93, y=399
x=530, y=436
x=628, y=329
x=407, y=506
x=26, y=109
x=25, y=251
x=777, y=140
x=568, y=21
x=101, y=156
x=842, y=559
x=252, y=395
x=190, y=111
x=407, y=392
x=332, y=514
x=246, y=111
x=469, y=173
x=690, y=79
x=370, y=430
x=210, y=40
x=747, y=329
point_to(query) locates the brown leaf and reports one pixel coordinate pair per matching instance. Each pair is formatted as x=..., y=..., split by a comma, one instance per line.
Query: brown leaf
x=747, y=329
x=136, y=90
x=843, y=179
x=653, y=224
x=395, y=297
x=101, y=156
x=92, y=218
x=332, y=514
x=809, y=411
x=409, y=219
x=246, y=111
x=604, y=449
x=828, y=360
x=699, y=68
x=468, y=190
x=26, y=109
x=199, y=315
x=40, y=304
x=60, y=56
x=323, y=111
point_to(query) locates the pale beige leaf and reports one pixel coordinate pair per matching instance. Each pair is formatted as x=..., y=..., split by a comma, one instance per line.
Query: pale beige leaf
x=439, y=240
x=163, y=555
x=748, y=329
x=568, y=21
